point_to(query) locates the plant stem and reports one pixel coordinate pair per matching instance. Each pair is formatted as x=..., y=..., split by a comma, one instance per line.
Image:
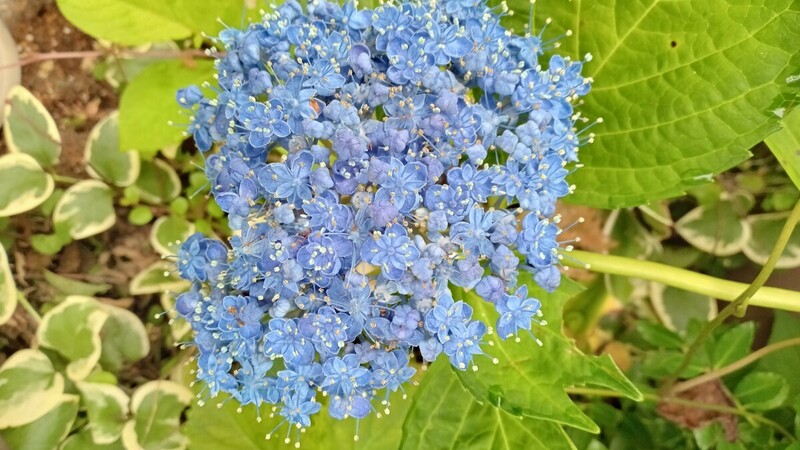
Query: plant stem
x=26, y=305
x=739, y=304
x=767, y=297
x=51, y=56
x=688, y=403
x=733, y=367
x=64, y=179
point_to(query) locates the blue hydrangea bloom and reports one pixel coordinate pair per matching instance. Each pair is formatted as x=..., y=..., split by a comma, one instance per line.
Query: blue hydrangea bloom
x=372, y=164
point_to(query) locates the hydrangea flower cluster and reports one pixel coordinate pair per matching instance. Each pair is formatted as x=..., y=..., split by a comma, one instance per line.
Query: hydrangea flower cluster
x=369, y=162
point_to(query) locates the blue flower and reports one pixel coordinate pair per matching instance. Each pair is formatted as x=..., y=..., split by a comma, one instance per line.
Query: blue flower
x=447, y=42
x=284, y=340
x=263, y=122
x=408, y=59
x=298, y=103
x=241, y=316
x=322, y=257
x=393, y=251
x=516, y=312
x=239, y=203
x=343, y=376
x=289, y=180
x=324, y=78
x=473, y=235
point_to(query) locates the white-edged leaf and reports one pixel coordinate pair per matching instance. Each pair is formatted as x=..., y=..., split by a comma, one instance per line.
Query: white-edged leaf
x=158, y=182
x=29, y=388
x=717, y=230
x=157, y=278
x=124, y=338
x=23, y=184
x=105, y=159
x=8, y=290
x=766, y=228
x=157, y=408
x=178, y=328
x=107, y=408
x=762, y=391
x=168, y=233
x=676, y=307
x=29, y=128
x=72, y=329
x=47, y=431
x=86, y=209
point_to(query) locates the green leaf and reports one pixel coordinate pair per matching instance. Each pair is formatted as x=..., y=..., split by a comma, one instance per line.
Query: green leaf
x=685, y=88
x=445, y=416
x=47, y=431
x=785, y=145
x=717, y=230
x=785, y=362
x=83, y=441
x=211, y=16
x=157, y=278
x=733, y=345
x=72, y=329
x=529, y=380
x=23, y=184
x=762, y=391
x=676, y=307
x=157, y=408
x=29, y=388
x=125, y=339
x=148, y=103
x=168, y=233
x=8, y=289
x=659, y=336
x=158, y=183
x=766, y=229
x=127, y=22
x=107, y=408
x=86, y=209
x=50, y=244
x=140, y=215
x=106, y=159
x=212, y=428
x=29, y=128
x=69, y=286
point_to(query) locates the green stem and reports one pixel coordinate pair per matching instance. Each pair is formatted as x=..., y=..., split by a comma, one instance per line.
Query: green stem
x=722, y=371
x=767, y=297
x=26, y=305
x=688, y=403
x=739, y=304
x=64, y=179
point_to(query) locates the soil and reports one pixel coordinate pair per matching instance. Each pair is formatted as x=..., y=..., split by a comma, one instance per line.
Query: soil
x=77, y=101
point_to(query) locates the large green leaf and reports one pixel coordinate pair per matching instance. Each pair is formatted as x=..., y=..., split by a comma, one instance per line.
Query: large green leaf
x=785, y=145
x=106, y=159
x=46, y=432
x=168, y=232
x=129, y=22
x=445, y=416
x=787, y=361
x=148, y=103
x=733, y=345
x=157, y=278
x=29, y=388
x=157, y=408
x=685, y=87
x=529, y=380
x=158, y=182
x=86, y=209
x=29, y=128
x=72, y=329
x=23, y=184
x=211, y=428
x=8, y=290
x=716, y=229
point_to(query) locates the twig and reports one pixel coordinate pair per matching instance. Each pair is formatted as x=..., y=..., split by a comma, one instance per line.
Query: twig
x=52, y=56
x=739, y=305
x=733, y=367
x=28, y=307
